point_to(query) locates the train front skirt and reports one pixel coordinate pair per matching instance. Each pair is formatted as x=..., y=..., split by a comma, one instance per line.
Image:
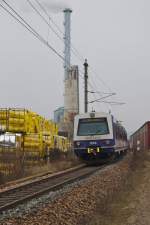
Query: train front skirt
x=94, y=153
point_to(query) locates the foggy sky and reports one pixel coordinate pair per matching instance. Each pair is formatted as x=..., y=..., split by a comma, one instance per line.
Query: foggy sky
x=112, y=34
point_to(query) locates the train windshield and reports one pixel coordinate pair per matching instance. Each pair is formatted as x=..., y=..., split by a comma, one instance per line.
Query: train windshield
x=92, y=126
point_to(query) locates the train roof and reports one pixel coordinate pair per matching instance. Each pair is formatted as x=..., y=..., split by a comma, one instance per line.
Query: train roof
x=88, y=114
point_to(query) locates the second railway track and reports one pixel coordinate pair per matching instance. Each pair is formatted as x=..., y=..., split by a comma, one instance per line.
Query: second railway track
x=25, y=192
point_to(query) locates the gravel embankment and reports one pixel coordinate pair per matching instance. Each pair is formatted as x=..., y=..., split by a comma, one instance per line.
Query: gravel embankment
x=131, y=206
x=76, y=204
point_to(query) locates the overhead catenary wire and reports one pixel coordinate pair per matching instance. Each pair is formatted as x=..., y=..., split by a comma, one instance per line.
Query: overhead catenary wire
x=113, y=103
x=99, y=99
x=93, y=85
x=100, y=79
x=102, y=96
x=92, y=88
x=99, y=92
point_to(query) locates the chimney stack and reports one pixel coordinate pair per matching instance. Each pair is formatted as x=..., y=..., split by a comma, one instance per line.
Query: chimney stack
x=67, y=42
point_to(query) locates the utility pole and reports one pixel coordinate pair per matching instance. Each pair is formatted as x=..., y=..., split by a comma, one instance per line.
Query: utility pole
x=86, y=86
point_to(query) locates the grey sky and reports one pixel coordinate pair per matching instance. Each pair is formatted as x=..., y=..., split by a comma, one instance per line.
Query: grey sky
x=113, y=34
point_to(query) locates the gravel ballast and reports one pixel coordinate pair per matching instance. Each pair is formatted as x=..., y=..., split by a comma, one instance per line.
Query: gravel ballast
x=76, y=203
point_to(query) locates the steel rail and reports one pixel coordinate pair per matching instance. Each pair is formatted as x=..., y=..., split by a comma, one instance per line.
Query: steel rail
x=25, y=192
x=14, y=185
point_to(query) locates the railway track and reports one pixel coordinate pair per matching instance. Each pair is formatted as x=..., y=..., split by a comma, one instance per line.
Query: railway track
x=32, y=189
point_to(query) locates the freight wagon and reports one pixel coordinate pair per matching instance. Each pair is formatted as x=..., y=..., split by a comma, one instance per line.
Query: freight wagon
x=140, y=139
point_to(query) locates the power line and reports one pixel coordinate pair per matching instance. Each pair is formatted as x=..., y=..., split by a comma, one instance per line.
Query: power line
x=29, y=28
x=81, y=58
x=58, y=28
x=18, y=20
x=44, y=10
x=74, y=51
x=43, y=18
x=37, y=35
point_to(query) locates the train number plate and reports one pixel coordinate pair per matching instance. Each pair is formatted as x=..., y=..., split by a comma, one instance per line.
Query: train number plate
x=94, y=150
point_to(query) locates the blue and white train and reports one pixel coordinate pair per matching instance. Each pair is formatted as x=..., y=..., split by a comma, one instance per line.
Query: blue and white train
x=97, y=136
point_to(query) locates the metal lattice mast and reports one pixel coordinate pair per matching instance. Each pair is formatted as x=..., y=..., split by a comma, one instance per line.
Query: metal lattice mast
x=67, y=40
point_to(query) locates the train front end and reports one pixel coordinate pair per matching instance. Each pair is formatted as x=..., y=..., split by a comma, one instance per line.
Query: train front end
x=93, y=136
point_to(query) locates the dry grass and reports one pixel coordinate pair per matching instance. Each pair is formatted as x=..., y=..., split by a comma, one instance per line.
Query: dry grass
x=14, y=166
